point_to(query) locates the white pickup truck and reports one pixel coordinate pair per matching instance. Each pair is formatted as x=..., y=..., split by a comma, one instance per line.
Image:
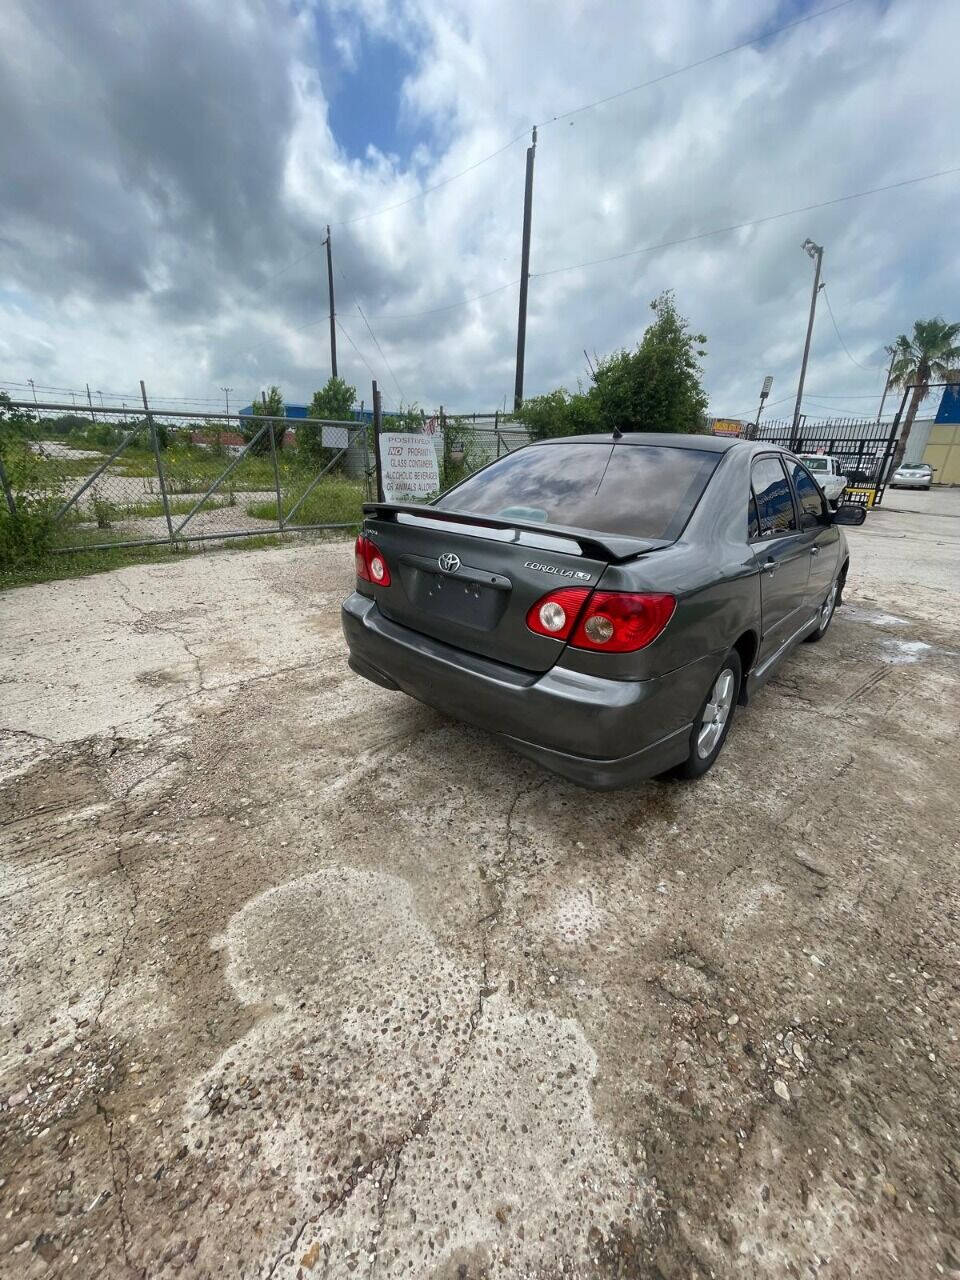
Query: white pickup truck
x=826, y=472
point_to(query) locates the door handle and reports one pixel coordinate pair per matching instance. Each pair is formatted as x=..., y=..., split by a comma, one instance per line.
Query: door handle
x=770, y=566
x=814, y=551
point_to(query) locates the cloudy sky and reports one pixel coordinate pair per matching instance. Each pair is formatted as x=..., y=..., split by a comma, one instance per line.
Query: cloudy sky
x=169, y=170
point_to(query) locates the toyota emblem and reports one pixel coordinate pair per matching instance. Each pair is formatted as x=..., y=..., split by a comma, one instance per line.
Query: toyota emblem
x=449, y=562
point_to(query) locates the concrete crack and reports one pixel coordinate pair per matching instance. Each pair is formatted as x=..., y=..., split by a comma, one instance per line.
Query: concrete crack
x=124, y=870
x=118, y=1152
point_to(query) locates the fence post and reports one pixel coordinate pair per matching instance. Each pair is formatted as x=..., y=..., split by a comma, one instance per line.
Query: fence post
x=156, y=454
x=377, y=422
x=7, y=491
x=276, y=473
x=366, y=454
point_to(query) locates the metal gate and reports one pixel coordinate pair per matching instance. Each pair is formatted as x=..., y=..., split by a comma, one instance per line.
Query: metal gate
x=862, y=446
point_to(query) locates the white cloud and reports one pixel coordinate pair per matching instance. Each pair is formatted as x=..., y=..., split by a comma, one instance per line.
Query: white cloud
x=161, y=201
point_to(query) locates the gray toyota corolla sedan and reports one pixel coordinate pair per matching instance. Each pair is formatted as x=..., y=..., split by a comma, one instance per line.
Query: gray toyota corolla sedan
x=602, y=603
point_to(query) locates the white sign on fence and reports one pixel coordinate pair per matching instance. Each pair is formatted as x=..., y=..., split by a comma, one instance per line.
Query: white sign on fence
x=334, y=437
x=410, y=468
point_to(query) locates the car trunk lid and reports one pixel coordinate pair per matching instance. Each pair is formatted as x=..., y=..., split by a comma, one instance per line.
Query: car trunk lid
x=470, y=580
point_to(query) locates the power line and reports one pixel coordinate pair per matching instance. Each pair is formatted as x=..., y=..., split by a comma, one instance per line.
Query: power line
x=380, y=349
x=353, y=298
x=358, y=351
x=701, y=62
x=400, y=204
x=740, y=226
x=589, y=106
x=868, y=368
x=450, y=306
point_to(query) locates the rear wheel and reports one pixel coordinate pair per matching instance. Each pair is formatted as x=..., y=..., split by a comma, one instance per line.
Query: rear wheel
x=827, y=610
x=712, y=724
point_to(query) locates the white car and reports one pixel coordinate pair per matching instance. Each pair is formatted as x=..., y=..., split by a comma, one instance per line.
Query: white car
x=826, y=472
x=912, y=475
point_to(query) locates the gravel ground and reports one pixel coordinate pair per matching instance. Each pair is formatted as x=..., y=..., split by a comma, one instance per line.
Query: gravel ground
x=301, y=978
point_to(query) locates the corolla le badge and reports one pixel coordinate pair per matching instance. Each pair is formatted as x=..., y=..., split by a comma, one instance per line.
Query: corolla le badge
x=449, y=562
x=552, y=568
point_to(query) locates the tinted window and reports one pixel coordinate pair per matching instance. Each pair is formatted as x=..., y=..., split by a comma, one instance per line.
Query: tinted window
x=642, y=491
x=808, y=495
x=753, y=520
x=774, y=499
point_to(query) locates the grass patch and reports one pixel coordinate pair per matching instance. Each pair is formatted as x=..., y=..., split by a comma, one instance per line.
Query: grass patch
x=335, y=500
x=81, y=564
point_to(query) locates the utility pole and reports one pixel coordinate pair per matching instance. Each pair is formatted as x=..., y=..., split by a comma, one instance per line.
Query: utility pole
x=814, y=251
x=524, y=273
x=93, y=416
x=764, y=392
x=34, y=390
x=102, y=405
x=333, y=313
x=226, y=391
x=886, y=385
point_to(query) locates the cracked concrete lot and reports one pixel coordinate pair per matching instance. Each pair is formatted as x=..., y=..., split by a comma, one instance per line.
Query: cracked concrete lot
x=300, y=978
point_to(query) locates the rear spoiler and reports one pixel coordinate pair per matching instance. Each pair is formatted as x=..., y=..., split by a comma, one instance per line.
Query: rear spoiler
x=594, y=546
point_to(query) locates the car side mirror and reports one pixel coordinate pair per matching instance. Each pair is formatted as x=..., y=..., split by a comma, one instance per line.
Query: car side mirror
x=850, y=513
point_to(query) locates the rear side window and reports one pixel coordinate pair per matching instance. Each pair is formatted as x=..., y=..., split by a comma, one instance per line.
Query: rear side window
x=639, y=491
x=809, y=496
x=774, y=499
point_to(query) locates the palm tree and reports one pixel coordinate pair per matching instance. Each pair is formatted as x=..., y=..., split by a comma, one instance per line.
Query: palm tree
x=931, y=355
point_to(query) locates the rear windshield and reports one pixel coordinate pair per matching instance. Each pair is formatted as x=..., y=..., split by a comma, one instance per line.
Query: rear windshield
x=640, y=491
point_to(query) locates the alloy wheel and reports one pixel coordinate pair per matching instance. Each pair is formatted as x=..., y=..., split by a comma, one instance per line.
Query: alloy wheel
x=716, y=713
x=828, y=606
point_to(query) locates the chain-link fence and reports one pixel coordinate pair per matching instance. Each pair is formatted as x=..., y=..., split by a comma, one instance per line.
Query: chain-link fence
x=466, y=443
x=102, y=480
x=93, y=480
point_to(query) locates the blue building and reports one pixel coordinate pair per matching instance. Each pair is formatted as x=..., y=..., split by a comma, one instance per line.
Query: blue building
x=303, y=411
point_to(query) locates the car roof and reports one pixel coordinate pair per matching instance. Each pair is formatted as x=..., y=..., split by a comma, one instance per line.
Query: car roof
x=671, y=439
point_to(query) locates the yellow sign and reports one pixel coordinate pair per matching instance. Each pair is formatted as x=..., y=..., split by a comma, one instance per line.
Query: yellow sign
x=861, y=493
x=727, y=427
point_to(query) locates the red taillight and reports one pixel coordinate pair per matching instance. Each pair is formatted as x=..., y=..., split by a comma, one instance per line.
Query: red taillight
x=370, y=563
x=622, y=621
x=554, y=614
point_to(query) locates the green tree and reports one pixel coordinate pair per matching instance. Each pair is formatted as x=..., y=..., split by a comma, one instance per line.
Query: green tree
x=559, y=413
x=334, y=403
x=932, y=354
x=657, y=387
x=270, y=406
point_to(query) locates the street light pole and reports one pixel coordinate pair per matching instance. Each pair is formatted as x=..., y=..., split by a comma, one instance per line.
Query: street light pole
x=814, y=251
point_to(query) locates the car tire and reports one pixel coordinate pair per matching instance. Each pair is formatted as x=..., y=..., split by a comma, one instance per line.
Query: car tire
x=827, y=610
x=722, y=697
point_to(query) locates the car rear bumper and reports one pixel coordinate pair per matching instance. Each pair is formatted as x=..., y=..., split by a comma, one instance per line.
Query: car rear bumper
x=565, y=720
